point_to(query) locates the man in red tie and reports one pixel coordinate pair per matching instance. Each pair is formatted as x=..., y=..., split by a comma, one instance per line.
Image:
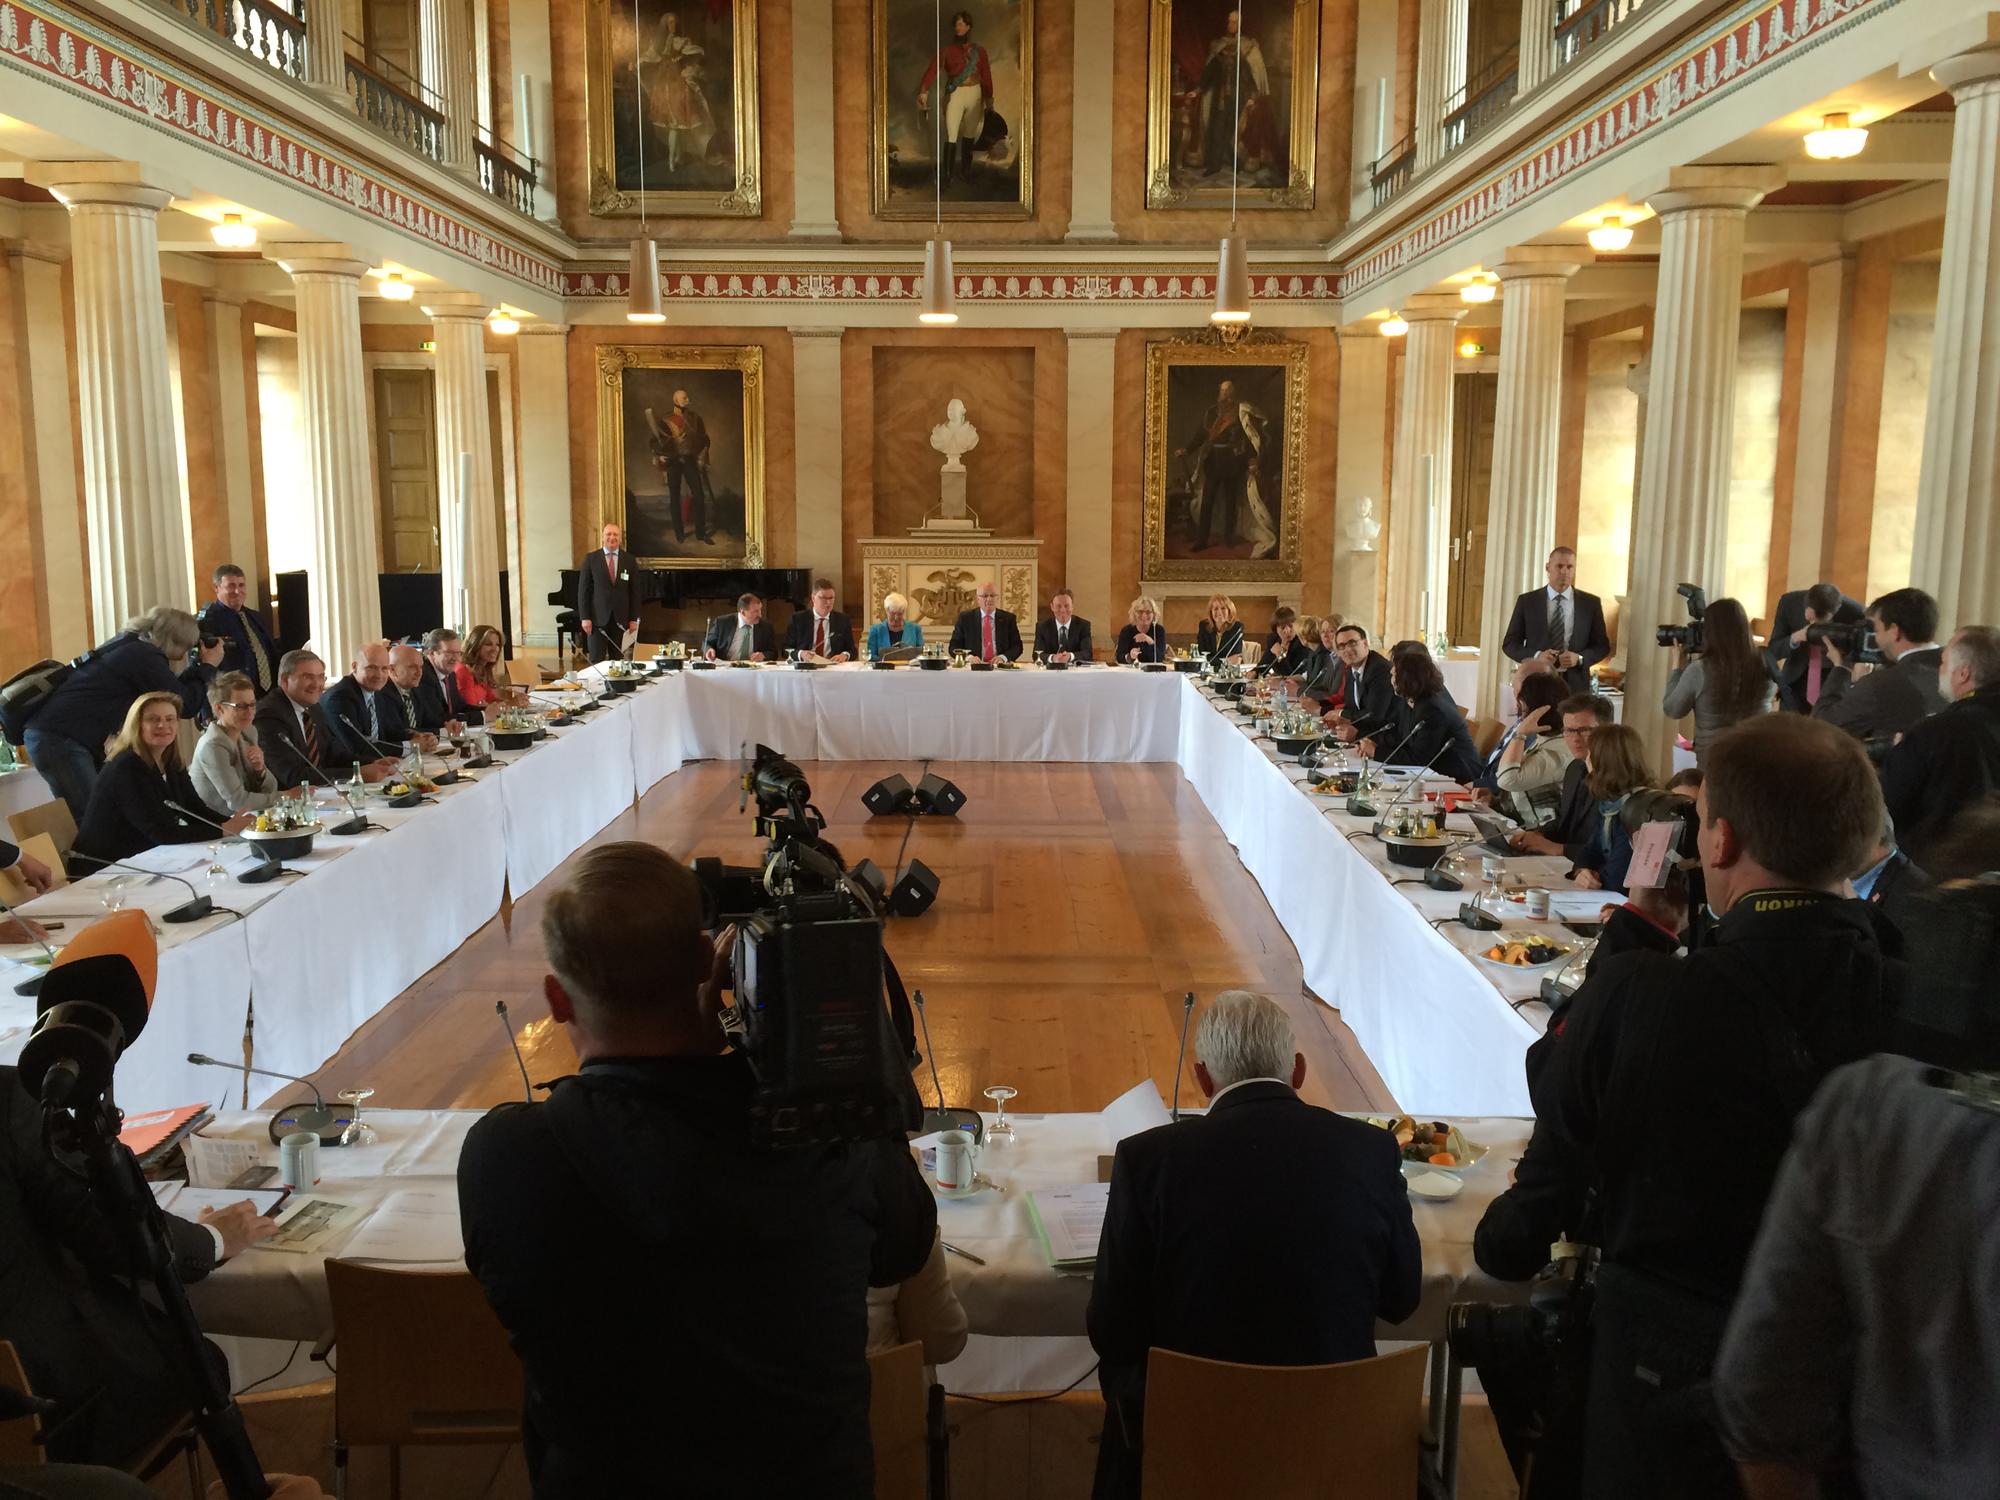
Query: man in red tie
x=988, y=632
x=820, y=632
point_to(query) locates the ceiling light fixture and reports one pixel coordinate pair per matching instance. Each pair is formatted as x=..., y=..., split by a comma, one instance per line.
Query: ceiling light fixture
x=1482, y=288
x=1232, y=262
x=503, y=322
x=233, y=233
x=1837, y=139
x=394, y=288
x=1611, y=235
x=940, y=307
x=642, y=291
x=1394, y=326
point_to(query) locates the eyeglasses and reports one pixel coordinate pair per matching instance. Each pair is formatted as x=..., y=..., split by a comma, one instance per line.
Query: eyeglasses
x=242, y=708
x=1579, y=734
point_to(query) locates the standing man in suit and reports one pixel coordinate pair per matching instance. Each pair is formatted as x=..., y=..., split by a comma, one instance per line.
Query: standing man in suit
x=1269, y=1232
x=606, y=597
x=1362, y=680
x=1064, y=635
x=246, y=639
x=1890, y=698
x=1561, y=623
x=743, y=636
x=821, y=630
x=988, y=632
x=1799, y=665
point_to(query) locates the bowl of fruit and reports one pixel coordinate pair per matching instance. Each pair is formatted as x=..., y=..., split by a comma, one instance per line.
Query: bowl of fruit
x=1430, y=1145
x=514, y=729
x=1524, y=950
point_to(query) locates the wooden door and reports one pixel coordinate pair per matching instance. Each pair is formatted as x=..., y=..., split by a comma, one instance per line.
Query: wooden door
x=393, y=34
x=406, y=447
x=1472, y=400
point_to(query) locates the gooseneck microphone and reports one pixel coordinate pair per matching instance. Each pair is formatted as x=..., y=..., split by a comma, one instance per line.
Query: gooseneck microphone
x=193, y=909
x=267, y=869
x=944, y=1117
x=320, y=1120
x=507, y=1025
x=389, y=747
x=1391, y=756
x=1180, y=1058
x=358, y=823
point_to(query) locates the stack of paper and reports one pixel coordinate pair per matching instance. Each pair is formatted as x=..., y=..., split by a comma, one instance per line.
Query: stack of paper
x=410, y=1225
x=1069, y=1221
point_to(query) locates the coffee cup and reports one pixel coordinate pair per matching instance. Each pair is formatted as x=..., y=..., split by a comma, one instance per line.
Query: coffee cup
x=956, y=1154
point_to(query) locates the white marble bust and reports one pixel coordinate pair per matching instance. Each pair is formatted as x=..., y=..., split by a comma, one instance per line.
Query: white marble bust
x=954, y=437
x=1363, y=528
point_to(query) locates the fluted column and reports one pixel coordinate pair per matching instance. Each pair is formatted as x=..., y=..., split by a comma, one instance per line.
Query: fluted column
x=446, y=41
x=1527, y=421
x=1958, y=490
x=1441, y=28
x=1538, y=45
x=458, y=323
x=326, y=51
x=134, y=511
x=346, y=599
x=814, y=216
x=1418, y=548
x=1681, y=513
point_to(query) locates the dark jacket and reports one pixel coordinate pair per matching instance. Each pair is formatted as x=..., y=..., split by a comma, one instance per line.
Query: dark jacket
x=1431, y=727
x=661, y=1278
x=1888, y=701
x=1789, y=663
x=89, y=1341
x=1077, y=639
x=128, y=812
x=721, y=637
x=438, y=701
x=235, y=628
x=1267, y=1232
x=1290, y=661
x=603, y=600
x=1575, y=822
x=1128, y=642
x=839, y=633
x=347, y=700
x=1943, y=766
x=969, y=635
x=1229, y=643
x=1376, y=712
x=91, y=704
x=1528, y=633
x=282, y=739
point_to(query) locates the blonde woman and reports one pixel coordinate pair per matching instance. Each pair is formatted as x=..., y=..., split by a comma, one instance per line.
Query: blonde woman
x=481, y=680
x=1220, y=635
x=1144, y=639
x=895, y=628
x=130, y=807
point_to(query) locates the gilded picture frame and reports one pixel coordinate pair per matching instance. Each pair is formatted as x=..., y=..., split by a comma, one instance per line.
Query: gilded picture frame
x=995, y=179
x=684, y=479
x=1214, y=457
x=700, y=87
x=1187, y=156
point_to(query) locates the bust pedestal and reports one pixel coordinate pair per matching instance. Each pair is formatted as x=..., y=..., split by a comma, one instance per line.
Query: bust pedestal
x=939, y=569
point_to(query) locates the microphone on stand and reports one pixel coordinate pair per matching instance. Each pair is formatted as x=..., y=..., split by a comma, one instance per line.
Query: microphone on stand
x=193, y=909
x=1404, y=790
x=268, y=869
x=507, y=1025
x=33, y=983
x=1359, y=803
x=1180, y=1058
x=393, y=750
x=323, y=1122
x=943, y=1117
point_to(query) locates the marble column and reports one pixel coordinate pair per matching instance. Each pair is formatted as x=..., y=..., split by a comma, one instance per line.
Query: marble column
x=818, y=543
x=134, y=510
x=223, y=317
x=1527, y=423
x=458, y=324
x=1680, y=517
x=446, y=41
x=1359, y=463
x=47, y=459
x=326, y=51
x=1441, y=31
x=1957, y=553
x=1418, y=549
x=547, y=546
x=815, y=218
x=1094, y=40
x=1093, y=361
x=345, y=597
x=1538, y=46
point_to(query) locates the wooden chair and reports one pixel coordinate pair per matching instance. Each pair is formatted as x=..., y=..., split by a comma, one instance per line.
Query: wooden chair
x=53, y=818
x=1351, y=1430
x=20, y=1439
x=1485, y=735
x=422, y=1361
x=898, y=1398
x=14, y=888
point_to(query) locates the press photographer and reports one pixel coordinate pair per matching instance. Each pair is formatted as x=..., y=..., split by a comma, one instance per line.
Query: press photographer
x=1719, y=675
x=1899, y=656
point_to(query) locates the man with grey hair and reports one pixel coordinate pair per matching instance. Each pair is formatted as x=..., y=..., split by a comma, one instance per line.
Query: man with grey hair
x=1269, y=1232
x=1950, y=761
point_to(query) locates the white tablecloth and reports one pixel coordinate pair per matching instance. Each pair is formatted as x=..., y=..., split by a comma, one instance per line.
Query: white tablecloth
x=564, y=790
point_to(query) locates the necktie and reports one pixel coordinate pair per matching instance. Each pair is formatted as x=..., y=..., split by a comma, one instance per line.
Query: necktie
x=742, y=649
x=1062, y=636
x=1813, y=660
x=409, y=706
x=260, y=663
x=1559, y=624
x=312, y=738
x=819, y=635
x=374, y=718
x=1354, y=689
x=988, y=644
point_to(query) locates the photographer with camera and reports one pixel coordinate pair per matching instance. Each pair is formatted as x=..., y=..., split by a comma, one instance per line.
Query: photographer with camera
x=1902, y=686
x=1719, y=676
x=1798, y=662
x=672, y=1282
x=1670, y=1095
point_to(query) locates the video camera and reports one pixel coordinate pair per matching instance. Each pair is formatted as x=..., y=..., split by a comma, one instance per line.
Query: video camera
x=813, y=1007
x=1855, y=642
x=1688, y=635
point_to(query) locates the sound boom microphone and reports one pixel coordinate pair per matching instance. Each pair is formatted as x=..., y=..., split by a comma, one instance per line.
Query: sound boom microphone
x=320, y=1120
x=944, y=1117
x=263, y=872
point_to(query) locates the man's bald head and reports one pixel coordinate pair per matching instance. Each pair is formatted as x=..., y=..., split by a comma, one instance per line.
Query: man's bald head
x=371, y=666
x=406, y=666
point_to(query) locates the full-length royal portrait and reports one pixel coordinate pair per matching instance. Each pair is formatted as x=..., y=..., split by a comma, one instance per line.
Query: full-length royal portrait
x=681, y=452
x=672, y=107
x=1232, y=95
x=953, y=109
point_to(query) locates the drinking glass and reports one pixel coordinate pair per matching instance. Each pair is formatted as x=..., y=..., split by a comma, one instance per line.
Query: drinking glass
x=358, y=1132
x=114, y=893
x=1001, y=1131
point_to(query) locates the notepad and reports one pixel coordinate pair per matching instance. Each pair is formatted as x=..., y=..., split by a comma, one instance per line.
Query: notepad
x=1069, y=1221
x=411, y=1225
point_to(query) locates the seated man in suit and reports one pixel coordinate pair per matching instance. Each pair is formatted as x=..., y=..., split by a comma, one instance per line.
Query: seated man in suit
x=606, y=598
x=246, y=640
x=357, y=710
x=743, y=636
x=300, y=747
x=1569, y=831
x=1561, y=623
x=437, y=689
x=416, y=717
x=1362, y=679
x=1287, y=1236
x=1064, y=635
x=1892, y=697
x=1801, y=666
x=821, y=632
x=988, y=632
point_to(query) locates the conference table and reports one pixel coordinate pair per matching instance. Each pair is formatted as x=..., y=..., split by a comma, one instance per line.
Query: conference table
x=302, y=962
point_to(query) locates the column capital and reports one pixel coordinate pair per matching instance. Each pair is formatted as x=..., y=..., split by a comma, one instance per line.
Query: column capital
x=1968, y=70
x=316, y=258
x=105, y=184
x=455, y=307
x=1091, y=334
x=816, y=331
x=1434, y=307
x=1965, y=41
x=1739, y=187
x=543, y=330
x=1543, y=262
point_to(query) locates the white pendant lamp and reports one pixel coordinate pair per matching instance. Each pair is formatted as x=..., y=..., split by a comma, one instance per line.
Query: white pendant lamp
x=1394, y=326
x=1232, y=262
x=940, y=309
x=1611, y=235
x=233, y=233
x=1837, y=139
x=642, y=291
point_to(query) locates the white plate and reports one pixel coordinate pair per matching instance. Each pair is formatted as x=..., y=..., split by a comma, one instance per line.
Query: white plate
x=1434, y=1184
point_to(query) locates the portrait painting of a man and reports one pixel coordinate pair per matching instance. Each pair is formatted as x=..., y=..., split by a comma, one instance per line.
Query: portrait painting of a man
x=953, y=112
x=684, y=449
x=1233, y=96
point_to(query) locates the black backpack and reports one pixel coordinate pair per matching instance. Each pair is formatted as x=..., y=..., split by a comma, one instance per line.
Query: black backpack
x=23, y=694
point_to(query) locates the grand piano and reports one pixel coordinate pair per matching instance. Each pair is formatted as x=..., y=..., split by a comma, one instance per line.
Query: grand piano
x=677, y=603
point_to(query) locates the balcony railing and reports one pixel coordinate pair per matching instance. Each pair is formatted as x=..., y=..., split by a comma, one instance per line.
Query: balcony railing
x=1582, y=24
x=267, y=31
x=395, y=104
x=1483, y=100
x=505, y=173
x=1390, y=173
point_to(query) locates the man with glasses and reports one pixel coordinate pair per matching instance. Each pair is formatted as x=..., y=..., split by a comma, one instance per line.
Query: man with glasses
x=437, y=690
x=1361, y=679
x=987, y=633
x=228, y=769
x=1582, y=716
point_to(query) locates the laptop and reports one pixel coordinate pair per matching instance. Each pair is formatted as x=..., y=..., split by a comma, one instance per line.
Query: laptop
x=1493, y=829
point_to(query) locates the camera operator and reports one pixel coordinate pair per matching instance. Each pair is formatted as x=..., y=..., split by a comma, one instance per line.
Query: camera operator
x=1890, y=698
x=1722, y=682
x=673, y=1289
x=1671, y=1093
x=1950, y=761
x=1797, y=662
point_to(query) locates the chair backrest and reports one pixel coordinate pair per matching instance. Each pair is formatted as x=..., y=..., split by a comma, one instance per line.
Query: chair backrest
x=19, y=1439
x=896, y=1411
x=14, y=888
x=1485, y=735
x=422, y=1359
x=53, y=818
x=1284, y=1433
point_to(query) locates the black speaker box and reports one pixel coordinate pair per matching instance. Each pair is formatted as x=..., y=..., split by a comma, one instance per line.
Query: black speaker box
x=936, y=795
x=915, y=892
x=888, y=796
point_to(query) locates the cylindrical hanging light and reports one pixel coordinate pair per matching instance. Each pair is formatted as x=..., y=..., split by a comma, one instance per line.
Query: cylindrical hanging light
x=1232, y=282
x=503, y=322
x=642, y=292
x=1481, y=288
x=940, y=299
x=395, y=288
x=233, y=233
x=1393, y=326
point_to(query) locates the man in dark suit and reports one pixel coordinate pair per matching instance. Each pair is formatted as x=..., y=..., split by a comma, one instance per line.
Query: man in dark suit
x=300, y=747
x=1569, y=830
x=1560, y=622
x=989, y=631
x=1269, y=1232
x=624, y=1188
x=408, y=712
x=437, y=689
x=1064, y=635
x=246, y=640
x=606, y=598
x=1361, y=678
x=1891, y=698
x=821, y=629
x=1949, y=762
x=743, y=636
x=1799, y=665
x=357, y=709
